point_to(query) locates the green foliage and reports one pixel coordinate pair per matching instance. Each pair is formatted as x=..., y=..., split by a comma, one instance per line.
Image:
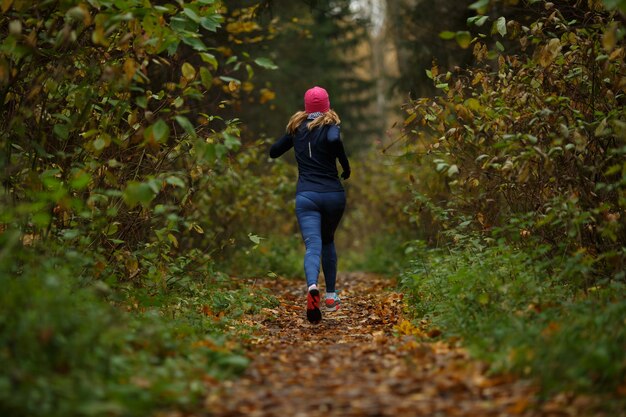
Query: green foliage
x=104, y=149
x=615, y=4
x=534, y=148
x=111, y=304
x=510, y=309
x=519, y=181
x=95, y=351
x=245, y=184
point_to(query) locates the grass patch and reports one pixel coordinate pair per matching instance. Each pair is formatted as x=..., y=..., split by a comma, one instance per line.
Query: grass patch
x=510, y=309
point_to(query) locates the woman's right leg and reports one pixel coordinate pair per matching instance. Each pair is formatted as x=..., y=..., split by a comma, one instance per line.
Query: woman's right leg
x=329, y=266
x=333, y=208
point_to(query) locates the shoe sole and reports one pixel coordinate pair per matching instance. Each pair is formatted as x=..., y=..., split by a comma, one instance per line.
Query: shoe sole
x=314, y=314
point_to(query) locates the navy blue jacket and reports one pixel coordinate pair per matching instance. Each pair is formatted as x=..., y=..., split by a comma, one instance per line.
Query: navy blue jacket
x=316, y=153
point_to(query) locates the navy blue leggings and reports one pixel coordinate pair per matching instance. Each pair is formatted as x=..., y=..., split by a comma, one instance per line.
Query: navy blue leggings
x=319, y=215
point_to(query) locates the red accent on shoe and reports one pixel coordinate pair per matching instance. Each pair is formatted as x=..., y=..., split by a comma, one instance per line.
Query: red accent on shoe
x=332, y=304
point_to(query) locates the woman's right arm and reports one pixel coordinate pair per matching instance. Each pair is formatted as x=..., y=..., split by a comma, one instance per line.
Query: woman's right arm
x=281, y=146
x=334, y=137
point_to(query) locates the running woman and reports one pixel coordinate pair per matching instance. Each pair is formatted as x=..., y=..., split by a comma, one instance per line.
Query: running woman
x=320, y=197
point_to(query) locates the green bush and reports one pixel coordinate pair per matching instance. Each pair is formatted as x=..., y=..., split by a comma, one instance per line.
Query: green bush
x=533, y=130
x=515, y=310
x=69, y=349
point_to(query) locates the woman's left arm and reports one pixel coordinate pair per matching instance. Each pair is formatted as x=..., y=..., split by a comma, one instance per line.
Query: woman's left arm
x=281, y=146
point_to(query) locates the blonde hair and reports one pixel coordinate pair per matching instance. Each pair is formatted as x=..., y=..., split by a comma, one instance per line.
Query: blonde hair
x=328, y=118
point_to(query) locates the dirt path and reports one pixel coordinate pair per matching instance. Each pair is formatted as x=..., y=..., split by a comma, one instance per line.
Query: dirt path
x=363, y=361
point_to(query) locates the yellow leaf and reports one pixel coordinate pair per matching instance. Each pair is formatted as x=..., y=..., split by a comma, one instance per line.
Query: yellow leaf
x=524, y=173
x=98, y=37
x=407, y=328
x=189, y=72
x=206, y=77
x=477, y=78
x=434, y=70
x=173, y=239
x=617, y=54
x=132, y=118
x=248, y=87
x=602, y=129
x=267, y=95
x=549, y=52
x=6, y=5
x=473, y=104
x=130, y=67
x=462, y=111
x=464, y=39
x=233, y=86
x=483, y=299
x=410, y=119
x=609, y=38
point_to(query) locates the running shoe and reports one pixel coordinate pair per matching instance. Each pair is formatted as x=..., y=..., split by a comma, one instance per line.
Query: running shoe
x=332, y=303
x=313, y=312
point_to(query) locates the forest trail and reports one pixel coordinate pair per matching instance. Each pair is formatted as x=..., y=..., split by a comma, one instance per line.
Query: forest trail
x=364, y=361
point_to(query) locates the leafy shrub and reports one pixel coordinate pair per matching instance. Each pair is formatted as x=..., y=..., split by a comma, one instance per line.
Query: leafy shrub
x=508, y=308
x=105, y=148
x=528, y=144
x=530, y=140
x=72, y=350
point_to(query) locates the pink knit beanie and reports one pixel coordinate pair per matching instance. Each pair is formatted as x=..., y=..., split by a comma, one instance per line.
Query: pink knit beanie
x=316, y=100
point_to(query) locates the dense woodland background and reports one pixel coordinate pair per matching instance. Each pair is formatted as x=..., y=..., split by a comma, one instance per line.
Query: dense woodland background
x=488, y=140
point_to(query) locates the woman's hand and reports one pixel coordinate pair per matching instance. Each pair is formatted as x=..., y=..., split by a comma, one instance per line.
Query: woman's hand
x=345, y=175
